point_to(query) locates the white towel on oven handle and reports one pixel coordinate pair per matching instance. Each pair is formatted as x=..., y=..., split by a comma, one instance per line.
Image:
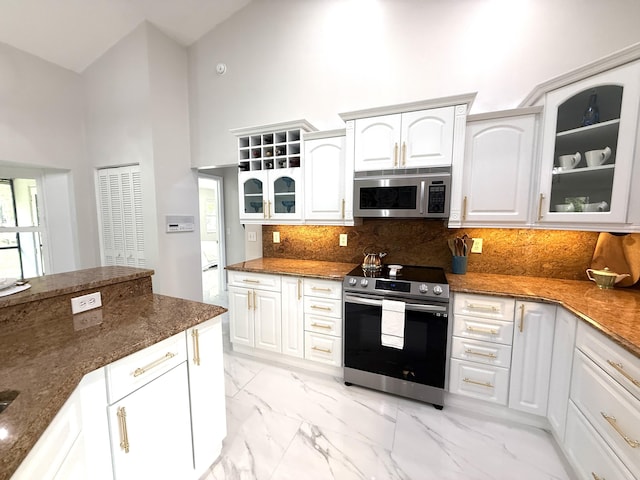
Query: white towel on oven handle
x=392, y=324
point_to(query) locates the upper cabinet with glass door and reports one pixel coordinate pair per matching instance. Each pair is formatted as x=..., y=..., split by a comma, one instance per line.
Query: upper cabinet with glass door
x=270, y=179
x=590, y=130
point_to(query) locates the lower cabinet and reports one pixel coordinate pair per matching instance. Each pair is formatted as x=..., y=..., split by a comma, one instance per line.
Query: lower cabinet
x=323, y=321
x=292, y=309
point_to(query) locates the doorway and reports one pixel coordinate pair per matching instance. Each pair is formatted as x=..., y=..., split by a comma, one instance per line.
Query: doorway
x=212, y=239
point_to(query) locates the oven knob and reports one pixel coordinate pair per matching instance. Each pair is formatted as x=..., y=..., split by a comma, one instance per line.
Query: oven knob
x=364, y=282
x=437, y=290
x=423, y=288
x=352, y=282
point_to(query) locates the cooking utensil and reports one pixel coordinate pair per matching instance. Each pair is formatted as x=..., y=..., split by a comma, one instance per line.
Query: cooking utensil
x=372, y=261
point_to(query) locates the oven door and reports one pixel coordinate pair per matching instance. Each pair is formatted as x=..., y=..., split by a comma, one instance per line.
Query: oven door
x=423, y=356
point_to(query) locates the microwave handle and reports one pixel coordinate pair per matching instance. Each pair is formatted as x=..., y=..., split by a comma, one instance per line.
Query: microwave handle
x=422, y=193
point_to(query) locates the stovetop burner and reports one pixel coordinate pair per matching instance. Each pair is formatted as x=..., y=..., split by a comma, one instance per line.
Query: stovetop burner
x=409, y=281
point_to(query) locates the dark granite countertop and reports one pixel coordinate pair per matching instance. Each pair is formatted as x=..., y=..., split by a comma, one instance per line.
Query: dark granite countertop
x=45, y=356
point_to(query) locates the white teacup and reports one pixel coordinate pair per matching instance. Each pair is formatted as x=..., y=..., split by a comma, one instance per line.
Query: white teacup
x=569, y=161
x=596, y=207
x=565, y=207
x=597, y=157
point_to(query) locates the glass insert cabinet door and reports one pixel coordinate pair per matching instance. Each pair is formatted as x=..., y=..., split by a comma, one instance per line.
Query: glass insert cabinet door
x=284, y=193
x=589, y=138
x=252, y=199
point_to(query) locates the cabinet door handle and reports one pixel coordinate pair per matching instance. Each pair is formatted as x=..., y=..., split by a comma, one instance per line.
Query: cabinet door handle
x=464, y=208
x=318, y=325
x=490, y=331
x=264, y=209
x=319, y=307
x=196, y=346
x=521, y=326
x=614, y=424
x=623, y=372
x=540, y=207
x=343, y=208
x=404, y=154
x=323, y=350
x=255, y=300
x=395, y=155
x=481, y=354
x=475, y=382
x=299, y=289
x=122, y=428
x=139, y=371
x=597, y=477
x=249, y=300
x=269, y=209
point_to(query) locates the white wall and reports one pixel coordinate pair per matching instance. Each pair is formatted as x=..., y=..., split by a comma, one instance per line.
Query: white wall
x=290, y=59
x=41, y=126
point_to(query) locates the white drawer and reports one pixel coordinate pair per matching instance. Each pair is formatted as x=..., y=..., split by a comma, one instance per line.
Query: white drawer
x=485, y=306
x=323, y=348
x=259, y=281
x=483, y=329
x=484, y=382
x=478, y=351
x=316, y=287
x=611, y=409
x=328, y=307
x=588, y=454
x=612, y=358
x=132, y=372
x=321, y=324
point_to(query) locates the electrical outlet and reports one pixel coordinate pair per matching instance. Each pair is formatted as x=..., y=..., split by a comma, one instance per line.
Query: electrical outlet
x=477, y=245
x=252, y=236
x=276, y=237
x=86, y=302
x=343, y=240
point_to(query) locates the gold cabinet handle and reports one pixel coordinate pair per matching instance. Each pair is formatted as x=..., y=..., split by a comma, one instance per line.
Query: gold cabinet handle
x=264, y=209
x=486, y=308
x=196, y=346
x=395, y=155
x=475, y=382
x=321, y=289
x=250, y=280
x=614, y=424
x=490, y=331
x=521, y=326
x=319, y=325
x=319, y=307
x=464, y=208
x=481, y=354
x=269, y=209
x=404, y=154
x=343, y=208
x=139, y=371
x=597, y=477
x=323, y=350
x=540, y=207
x=255, y=300
x=299, y=288
x=122, y=428
x=623, y=372
x=248, y=299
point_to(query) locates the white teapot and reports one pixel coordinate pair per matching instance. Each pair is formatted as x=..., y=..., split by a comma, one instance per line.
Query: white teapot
x=605, y=278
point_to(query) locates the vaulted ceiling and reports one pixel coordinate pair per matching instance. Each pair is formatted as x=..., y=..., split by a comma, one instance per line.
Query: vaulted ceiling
x=74, y=33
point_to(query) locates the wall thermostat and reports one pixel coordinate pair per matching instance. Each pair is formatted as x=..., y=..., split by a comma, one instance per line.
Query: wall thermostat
x=180, y=223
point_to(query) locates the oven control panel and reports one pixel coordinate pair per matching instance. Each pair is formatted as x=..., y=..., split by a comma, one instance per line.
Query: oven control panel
x=381, y=286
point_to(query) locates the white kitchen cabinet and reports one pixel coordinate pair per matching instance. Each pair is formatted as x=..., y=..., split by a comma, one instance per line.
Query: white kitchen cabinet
x=323, y=321
x=589, y=195
x=405, y=140
x=531, y=358
x=206, y=392
x=561, y=363
x=151, y=429
x=328, y=186
x=292, y=311
x=499, y=159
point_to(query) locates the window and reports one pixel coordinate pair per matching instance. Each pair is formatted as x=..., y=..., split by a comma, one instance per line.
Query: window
x=21, y=230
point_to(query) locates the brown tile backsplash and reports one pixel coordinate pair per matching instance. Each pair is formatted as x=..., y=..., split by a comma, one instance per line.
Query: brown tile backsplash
x=536, y=253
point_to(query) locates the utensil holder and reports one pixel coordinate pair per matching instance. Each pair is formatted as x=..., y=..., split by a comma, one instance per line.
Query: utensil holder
x=459, y=264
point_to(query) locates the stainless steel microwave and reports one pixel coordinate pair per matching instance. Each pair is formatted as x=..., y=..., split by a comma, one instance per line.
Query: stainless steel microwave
x=421, y=195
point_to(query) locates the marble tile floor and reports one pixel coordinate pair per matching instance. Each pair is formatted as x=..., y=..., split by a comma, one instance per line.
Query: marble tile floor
x=285, y=423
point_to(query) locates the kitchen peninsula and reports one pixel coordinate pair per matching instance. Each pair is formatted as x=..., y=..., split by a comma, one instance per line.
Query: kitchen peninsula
x=45, y=351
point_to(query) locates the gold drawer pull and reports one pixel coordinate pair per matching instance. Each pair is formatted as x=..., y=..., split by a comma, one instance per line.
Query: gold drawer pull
x=490, y=331
x=323, y=350
x=521, y=326
x=155, y=363
x=321, y=289
x=319, y=307
x=250, y=280
x=597, y=477
x=122, y=427
x=314, y=324
x=196, y=346
x=475, y=382
x=472, y=352
x=614, y=423
x=623, y=372
x=299, y=289
x=486, y=308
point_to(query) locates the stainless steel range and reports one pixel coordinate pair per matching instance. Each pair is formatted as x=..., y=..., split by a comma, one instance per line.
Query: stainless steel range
x=396, y=330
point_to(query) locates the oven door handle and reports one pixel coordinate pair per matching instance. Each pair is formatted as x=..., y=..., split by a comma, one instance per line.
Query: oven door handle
x=409, y=306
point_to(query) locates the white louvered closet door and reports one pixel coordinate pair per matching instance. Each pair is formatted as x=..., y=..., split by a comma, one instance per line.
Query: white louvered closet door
x=121, y=222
